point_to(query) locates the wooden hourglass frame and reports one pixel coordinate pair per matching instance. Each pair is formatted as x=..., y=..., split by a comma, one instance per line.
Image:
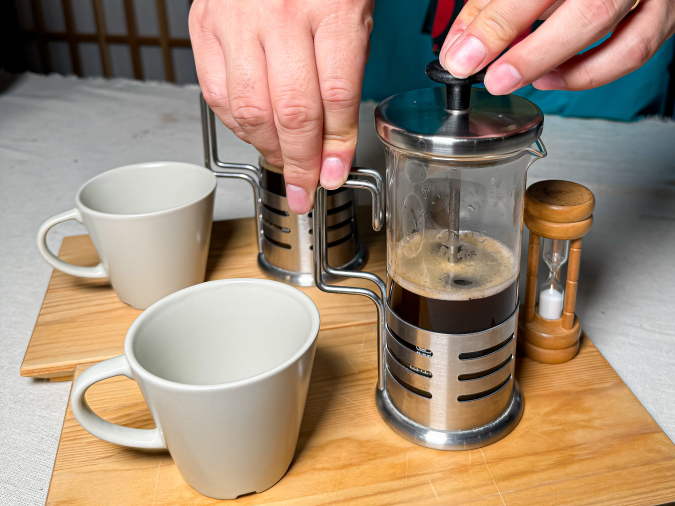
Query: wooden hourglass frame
x=554, y=210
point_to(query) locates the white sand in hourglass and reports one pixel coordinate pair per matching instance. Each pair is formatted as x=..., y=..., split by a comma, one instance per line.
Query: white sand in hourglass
x=551, y=292
x=550, y=304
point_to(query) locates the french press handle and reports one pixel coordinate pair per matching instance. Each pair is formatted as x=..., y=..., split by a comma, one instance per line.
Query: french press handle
x=249, y=173
x=320, y=247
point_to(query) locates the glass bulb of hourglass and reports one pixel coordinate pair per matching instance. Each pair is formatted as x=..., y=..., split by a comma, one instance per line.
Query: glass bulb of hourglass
x=551, y=292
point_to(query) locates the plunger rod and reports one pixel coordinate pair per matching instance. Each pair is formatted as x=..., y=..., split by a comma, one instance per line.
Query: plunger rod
x=453, y=221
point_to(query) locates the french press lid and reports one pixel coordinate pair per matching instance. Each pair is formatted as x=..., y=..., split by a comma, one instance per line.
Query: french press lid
x=458, y=120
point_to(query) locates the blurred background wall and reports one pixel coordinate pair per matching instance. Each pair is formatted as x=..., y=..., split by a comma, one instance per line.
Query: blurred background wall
x=149, y=40
x=136, y=39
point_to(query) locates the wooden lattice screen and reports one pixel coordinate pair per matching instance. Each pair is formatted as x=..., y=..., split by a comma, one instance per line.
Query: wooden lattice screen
x=42, y=36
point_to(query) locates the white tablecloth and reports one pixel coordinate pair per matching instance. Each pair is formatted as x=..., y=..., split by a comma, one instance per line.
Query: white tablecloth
x=56, y=133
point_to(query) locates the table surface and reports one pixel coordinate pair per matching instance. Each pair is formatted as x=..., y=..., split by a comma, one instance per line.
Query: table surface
x=565, y=449
x=56, y=133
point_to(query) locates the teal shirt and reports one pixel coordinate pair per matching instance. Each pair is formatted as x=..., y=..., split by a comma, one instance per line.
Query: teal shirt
x=399, y=51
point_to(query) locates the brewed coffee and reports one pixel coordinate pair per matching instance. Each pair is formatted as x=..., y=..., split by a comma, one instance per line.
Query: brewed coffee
x=272, y=181
x=473, y=294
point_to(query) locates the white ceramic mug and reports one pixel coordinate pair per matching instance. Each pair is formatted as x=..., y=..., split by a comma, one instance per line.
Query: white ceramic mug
x=224, y=367
x=151, y=225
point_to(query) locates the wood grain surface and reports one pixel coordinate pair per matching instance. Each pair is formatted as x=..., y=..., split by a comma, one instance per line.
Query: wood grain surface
x=584, y=439
x=82, y=320
x=559, y=201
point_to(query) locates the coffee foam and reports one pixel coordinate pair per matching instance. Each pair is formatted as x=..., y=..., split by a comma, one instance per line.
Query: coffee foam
x=486, y=266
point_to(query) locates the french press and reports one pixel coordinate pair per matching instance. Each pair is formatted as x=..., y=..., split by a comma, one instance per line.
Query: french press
x=456, y=160
x=284, y=239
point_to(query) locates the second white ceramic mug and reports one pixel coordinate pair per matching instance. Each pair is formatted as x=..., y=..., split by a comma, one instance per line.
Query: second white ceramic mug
x=151, y=225
x=224, y=367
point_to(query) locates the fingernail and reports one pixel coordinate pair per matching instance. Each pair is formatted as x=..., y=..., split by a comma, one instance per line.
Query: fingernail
x=463, y=59
x=447, y=46
x=551, y=81
x=502, y=79
x=333, y=173
x=298, y=200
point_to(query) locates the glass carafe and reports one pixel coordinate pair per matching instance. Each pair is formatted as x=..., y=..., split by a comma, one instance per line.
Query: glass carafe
x=453, y=240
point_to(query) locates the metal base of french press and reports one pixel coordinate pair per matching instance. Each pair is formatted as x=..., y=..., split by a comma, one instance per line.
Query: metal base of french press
x=307, y=278
x=449, y=439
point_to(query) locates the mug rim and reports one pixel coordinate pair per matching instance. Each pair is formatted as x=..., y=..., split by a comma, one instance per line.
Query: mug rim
x=137, y=368
x=144, y=165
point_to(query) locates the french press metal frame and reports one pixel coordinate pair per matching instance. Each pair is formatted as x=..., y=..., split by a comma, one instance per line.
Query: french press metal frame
x=241, y=171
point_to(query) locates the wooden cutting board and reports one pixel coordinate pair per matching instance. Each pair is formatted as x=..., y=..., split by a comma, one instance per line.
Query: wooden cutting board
x=584, y=439
x=83, y=321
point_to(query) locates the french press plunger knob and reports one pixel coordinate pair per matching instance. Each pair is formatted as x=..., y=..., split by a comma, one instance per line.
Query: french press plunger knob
x=458, y=91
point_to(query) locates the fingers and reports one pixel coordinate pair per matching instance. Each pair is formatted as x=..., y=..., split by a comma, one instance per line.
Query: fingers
x=287, y=78
x=248, y=92
x=570, y=29
x=298, y=111
x=210, y=65
x=631, y=45
x=551, y=9
x=490, y=32
x=468, y=13
x=341, y=45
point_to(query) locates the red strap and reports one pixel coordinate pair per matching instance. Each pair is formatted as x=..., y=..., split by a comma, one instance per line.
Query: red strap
x=444, y=10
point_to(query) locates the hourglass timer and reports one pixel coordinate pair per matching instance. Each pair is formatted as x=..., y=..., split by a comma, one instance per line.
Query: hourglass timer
x=558, y=214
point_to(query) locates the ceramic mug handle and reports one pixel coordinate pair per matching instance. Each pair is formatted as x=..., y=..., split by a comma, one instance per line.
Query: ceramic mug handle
x=75, y=270
x=97, y=426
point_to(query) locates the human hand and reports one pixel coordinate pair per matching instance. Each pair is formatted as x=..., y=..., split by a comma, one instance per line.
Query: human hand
x=286, y=77
x=548, y=58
